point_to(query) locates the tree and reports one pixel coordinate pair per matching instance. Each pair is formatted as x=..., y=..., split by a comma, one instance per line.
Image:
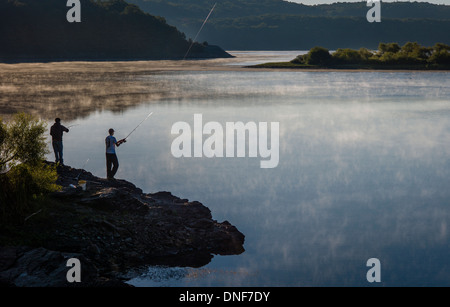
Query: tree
x=411, y=55
x=441, y=47
x=22, y=140
x=415, y=51
x=318, y=56
x=440, y=54
x=300, y=59
x=28, y=179
x=365, y=54
x=388, y=47
x=347, y=56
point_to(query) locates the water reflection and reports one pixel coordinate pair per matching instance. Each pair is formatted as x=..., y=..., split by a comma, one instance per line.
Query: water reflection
x=363, y=171
x=74, y=90
x=75, y=95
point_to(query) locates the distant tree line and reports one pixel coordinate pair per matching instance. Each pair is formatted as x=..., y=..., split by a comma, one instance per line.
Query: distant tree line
x=392, y=54
x=198, y=9
x=284, y=25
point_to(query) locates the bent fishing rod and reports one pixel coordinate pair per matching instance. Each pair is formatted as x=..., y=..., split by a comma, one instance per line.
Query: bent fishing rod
x=125, y=139
x=201, y=28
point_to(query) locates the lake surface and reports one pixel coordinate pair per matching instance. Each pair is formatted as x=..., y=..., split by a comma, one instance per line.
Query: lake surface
x=364, y=171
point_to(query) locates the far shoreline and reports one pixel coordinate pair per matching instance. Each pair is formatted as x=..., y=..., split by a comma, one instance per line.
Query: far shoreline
x=389, y=57
x=152, y=66
x=286, y=66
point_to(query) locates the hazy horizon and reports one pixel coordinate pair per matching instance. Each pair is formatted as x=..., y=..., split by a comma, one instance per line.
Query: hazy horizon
x=312, y=2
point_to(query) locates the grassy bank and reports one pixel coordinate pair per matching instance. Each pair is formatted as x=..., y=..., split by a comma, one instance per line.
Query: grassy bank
x=290, y=65
x=391, y=56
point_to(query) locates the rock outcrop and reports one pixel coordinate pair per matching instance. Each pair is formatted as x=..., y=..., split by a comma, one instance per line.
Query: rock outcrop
x=115, y=228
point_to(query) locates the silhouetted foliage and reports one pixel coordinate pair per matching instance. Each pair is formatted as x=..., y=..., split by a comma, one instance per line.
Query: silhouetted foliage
x=316, y=56
x=109, y=30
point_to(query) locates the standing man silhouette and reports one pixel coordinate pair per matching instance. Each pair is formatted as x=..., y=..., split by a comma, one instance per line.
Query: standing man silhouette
x=56, y=131
x=112, y=163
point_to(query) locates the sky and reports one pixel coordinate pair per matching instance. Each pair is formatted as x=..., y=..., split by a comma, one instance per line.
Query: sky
x=332, y=1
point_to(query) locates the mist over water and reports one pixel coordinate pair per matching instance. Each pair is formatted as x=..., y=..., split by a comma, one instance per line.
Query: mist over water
x=363, y=173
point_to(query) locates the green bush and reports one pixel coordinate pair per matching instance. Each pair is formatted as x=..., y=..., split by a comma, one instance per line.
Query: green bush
x=24, y=177
x=348, y=56
x=411, y=54
x=22, y=189
x=23, y=140
x=300, y=59
x=389, y=47
x=318, y=56
x=440, y=54
x=365, y=54
x=440, y=57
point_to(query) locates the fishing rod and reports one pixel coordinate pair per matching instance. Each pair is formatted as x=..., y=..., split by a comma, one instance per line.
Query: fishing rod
x=73, y=126
x=82, y=169
x=124, y=140
x=201, y=28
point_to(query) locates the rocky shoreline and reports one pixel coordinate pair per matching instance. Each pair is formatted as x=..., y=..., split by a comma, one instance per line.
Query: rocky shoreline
x=113, y=227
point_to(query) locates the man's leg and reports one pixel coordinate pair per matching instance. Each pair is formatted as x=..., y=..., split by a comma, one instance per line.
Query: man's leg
x=61, y=160
x=115, y=163
x=108, y=165
x=56, y=151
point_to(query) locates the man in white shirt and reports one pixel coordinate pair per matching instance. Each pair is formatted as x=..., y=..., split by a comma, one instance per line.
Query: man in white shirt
x=112, y=163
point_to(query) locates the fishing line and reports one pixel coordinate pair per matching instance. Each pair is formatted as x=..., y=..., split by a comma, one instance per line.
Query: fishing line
x=82, y=169
x=138, y=125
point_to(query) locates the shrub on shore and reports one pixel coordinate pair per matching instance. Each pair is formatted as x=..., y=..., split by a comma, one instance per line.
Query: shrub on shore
x=392, y=54
x=24, y=177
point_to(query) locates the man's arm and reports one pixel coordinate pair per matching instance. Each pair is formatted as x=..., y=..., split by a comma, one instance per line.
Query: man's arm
x=64, y=129
x=121, y=142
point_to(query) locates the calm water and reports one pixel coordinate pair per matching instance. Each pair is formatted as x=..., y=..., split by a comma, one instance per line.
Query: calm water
x=364, y=172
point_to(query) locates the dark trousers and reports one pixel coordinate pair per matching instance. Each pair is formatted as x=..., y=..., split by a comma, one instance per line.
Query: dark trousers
x=58, y=149
x=112, y=165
